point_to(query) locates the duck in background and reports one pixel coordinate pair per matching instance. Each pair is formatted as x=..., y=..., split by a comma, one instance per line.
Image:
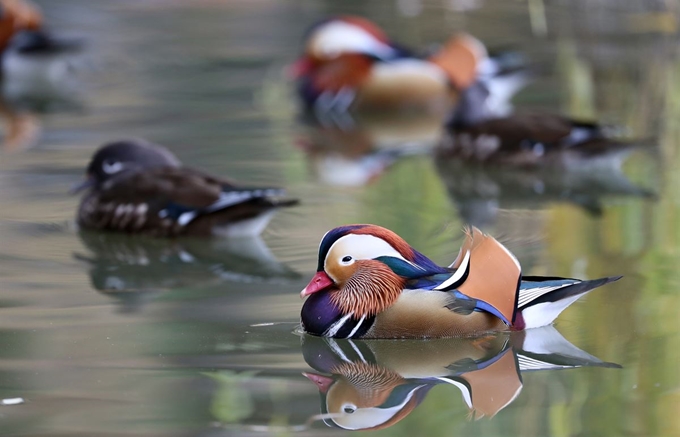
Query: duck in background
x=135, y=270
x=38, y=71
x=349, y=63
x=17, y=16
x=529, y=158
x=524, y=140
x=374, y=385
x=371, y=102
x=370, y=283
x=134, y=186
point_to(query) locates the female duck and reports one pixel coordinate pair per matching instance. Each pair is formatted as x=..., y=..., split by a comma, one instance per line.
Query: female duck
x=138, y=187
x=371, y=284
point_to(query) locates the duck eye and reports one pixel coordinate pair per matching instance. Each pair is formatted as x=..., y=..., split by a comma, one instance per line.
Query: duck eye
x=347, y=259
x=349, y=409
x=111, y=167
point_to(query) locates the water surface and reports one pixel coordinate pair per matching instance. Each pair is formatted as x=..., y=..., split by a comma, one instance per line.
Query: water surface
x=112, y=336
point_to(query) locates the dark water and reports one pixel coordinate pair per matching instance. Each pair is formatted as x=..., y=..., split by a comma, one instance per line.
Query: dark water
x=110, y=336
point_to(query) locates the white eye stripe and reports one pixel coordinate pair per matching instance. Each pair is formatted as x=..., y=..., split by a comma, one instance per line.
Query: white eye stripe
x=362, y=247
x=112, y=167
x=339, y=37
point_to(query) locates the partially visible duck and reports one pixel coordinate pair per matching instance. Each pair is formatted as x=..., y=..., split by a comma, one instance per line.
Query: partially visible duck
x=135, y=186
x=38, y=72
x=39, y=67
x=35, y=62
x=350, y=63
x=370, y=283
x=525, y=139
x=17, y=16
x=374, y=385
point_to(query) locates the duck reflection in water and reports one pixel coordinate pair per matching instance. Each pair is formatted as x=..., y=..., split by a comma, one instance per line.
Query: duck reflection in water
x=358, y=156
x=375, y=384
x=135, y=270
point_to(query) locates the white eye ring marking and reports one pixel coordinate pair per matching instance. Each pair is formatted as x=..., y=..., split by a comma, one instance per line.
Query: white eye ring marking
x=346, y=260
x=111, y=167
x=349, y=408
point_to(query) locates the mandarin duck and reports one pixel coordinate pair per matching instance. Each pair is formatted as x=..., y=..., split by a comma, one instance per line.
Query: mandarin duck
x=530, y=139
x=17, y=16
x=370, y=283
x=374, y=385
x=134, y=186
x=37, y=72
x=349, y=61
x=36, y=64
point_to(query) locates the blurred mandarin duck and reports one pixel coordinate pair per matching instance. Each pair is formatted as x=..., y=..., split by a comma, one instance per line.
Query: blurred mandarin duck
x=374, y=385
x=138, y=187
x=37, y=67
x=529, y=139
x=371, y=284
x=17, y=16
x=349, y=61
x=28, y=49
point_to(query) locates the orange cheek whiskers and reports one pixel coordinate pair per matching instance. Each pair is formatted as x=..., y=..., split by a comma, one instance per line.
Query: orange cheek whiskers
x=372, y=289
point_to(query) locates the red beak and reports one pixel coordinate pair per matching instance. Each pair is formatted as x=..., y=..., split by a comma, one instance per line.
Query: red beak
x=299, y=68
x=319, y=282
x=323, y=382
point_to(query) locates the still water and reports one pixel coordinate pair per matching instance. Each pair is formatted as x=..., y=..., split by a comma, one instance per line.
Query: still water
x=104, y=335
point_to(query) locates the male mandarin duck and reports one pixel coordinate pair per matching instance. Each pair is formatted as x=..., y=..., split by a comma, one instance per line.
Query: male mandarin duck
x=371, y=284
x=374, y=385
x=349, y=61
x=138, y=187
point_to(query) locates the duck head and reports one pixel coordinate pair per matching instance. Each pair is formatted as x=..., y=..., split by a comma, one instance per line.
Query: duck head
x=361, y=270
x=339, y=36
x=363, y=396
x=115, y=158
x=344, y=35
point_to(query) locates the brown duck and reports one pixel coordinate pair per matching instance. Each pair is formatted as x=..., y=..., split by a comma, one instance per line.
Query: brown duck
x=525, y=139
x=138, y=187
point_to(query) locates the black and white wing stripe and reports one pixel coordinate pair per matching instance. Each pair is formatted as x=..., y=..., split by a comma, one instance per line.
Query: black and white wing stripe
x=228, y=199
x=528, y=295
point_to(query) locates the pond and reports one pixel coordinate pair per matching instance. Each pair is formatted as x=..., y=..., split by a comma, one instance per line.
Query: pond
x=109, y=335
